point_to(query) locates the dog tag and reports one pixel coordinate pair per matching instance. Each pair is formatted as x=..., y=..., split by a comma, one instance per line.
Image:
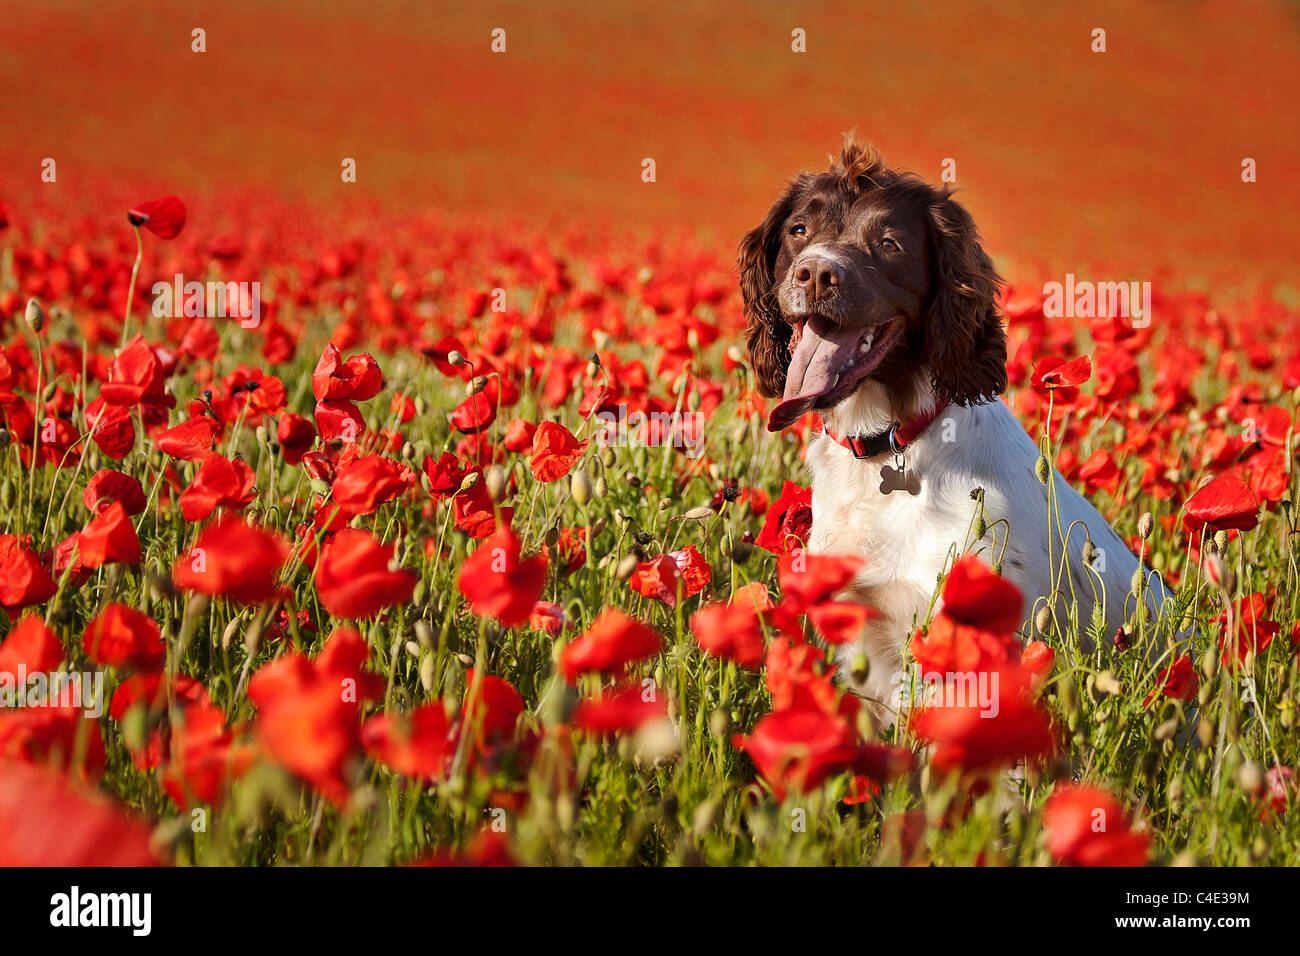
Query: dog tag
x=897, y=479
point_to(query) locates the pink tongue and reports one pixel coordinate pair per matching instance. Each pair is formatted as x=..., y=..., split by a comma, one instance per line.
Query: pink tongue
x=824, y=350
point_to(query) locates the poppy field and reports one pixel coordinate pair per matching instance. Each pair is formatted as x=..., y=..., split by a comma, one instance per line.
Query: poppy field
x=430, y=517
x=524, y=584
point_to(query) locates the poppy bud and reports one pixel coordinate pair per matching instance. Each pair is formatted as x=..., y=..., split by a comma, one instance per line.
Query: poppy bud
x=1250, y=777
x=469, y=481
x=496, y=481
x=427, y=673
x=632, y=479
x=4, y=438
x=1146, y=524
x=34, y=316
x=1107, y=683
x=1135, y=584
x=1089, y=552
x=1123, y=639
x=476, y=384
x=1205, y=732
x=608, y=457
x=719, y=724
x=580, y=488
x=455, y=358
x=1042, y=469
x=601, y=488
x=626, y=566
x=1221, y=540
x=1043, y=620
x=982, y=528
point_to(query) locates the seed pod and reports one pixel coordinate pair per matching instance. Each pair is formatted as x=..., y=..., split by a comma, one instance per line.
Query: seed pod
x=34, y=316
x=1042, y=469
x=1146, y=524
x=1221, y=540
x=626, y=566
x=698, y=514
x=1043, y=620
x=981, y=526
x=1089, y=552
x=495, y=479
x=1205, y=732
x=1135, y=583
x=1107, y=683
x=1250, y=777
x=580, y=488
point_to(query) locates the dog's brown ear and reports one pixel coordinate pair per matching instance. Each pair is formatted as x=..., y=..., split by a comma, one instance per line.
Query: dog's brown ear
x=766, y=335
x=965, y=342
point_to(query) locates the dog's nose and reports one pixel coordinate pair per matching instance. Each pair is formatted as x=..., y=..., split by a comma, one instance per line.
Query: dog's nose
x=817, y=275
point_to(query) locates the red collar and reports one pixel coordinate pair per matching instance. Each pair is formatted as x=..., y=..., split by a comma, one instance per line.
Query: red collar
x=894, y=438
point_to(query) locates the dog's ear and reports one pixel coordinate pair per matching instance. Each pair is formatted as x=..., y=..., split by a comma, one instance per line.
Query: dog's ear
x=965, y=343
x=766, y=335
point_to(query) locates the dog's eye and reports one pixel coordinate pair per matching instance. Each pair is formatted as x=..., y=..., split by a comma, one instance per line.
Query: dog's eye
x=890, y=245
x=798, y=230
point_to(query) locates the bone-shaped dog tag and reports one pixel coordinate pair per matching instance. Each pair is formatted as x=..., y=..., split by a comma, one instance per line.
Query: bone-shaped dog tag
x=898, y=479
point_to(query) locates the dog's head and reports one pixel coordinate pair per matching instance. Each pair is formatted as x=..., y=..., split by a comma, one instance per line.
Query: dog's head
x=863, y=272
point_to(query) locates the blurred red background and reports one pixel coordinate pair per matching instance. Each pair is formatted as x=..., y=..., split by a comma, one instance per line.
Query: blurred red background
x=1122, y=164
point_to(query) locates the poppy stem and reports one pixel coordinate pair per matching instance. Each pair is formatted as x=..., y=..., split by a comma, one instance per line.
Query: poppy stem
x=130, y=291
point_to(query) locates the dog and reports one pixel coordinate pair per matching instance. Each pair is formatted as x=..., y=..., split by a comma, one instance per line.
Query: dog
x=869, y=300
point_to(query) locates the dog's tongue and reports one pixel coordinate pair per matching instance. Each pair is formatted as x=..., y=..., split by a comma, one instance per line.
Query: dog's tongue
x=824, y=350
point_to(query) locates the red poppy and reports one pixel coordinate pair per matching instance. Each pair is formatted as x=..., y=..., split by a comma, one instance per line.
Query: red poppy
x=364, y=484
x=107, y=486
x=1254, y=632
x=657, y=578
x=549, y=617
x=974, y=594
x=497, y=584
x=235, y=560
x=309, y=711
x=120, y=636
x=475, y=513
x=165, y=217
x=445, y=475
x=1225, y=503
x=808, y=579
x=47, y=821
x=219, y=483
x=986, y=734
x=295, y=436
x=1178, y=681
x=111, y=428
x=555, y=451
x=202, y=757
x=474, y=414
x=30, y=646
x=840, y=622
x=191, y=440
x=788, y=521
x=1054, y=374
x=491, y=708
x=950, y=647
x=353, y=577
x=23, y=579
x=420, y=744
x=137, y=378
x=339, y=420
x=612, y=641
x=730, y=631
x=109, y=538
x=621, y=710
x=358, y=378
x=519, y=436
x=800, y=749
x=1086, y=826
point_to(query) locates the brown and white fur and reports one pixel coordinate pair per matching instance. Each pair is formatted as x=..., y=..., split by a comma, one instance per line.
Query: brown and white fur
x=935, y=283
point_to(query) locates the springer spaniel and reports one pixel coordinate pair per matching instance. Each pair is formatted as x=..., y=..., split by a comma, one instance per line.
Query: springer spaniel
x=869, y=300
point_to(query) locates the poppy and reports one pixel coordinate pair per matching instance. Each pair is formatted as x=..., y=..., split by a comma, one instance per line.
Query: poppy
x=366, y=483
x=165, y=217
x=497, y=584
x=219, y=483
x=23, y=579
x=1226, y=503
x=233, y=559
x=555, y=451
x=353, y=577
x=788, y=521
x=109, y=538
x=974, y=594
x=30, y=646
x=808, y=579
x=420, y=744
x=1178, y=681
x=120, y=636
x=1086, y=826
x=612, y=641
x=730, y=631
x=191, y=440
x=620, y=710
x=107, y=486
